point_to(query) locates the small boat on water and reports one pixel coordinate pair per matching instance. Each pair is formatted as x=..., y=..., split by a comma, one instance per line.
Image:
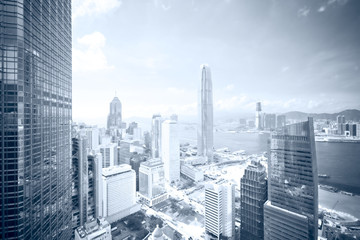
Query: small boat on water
x=323, y=176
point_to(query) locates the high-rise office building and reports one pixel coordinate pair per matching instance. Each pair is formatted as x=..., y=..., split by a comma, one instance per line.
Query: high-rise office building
x=92, y=134
x=258, y=117
x=340, y=120
x=152, y=182
x=79, y=173
x=174, y=117
x=253, y=196
x=280, y=121
x=147, y=139
x=220, y=209
x=109, y=154
x=156, y=136
x=170, y=150
x=35, y=106
x=115, y=115
x=119, y=192
x=130, y=129
x=124, y=151
x=291, y=211
x=205, y=133
x=270, y=121
x=95, y=185
x=135, y=161
x=353, y=129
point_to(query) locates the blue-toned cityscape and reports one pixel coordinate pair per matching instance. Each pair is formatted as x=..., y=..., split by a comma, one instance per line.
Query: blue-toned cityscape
x=102, y=142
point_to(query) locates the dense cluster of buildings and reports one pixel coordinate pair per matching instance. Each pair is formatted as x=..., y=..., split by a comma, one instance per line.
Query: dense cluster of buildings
x=61, y=181
x=265, y=121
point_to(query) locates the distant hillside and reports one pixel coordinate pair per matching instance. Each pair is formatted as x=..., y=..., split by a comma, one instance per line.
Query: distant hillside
x=350, y=115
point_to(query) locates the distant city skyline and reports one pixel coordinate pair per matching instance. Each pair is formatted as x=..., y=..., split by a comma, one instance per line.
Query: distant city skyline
x=290, y=55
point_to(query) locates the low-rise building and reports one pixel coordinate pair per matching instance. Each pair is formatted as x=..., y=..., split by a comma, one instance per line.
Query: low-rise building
x=98, y=229
x=192, y=172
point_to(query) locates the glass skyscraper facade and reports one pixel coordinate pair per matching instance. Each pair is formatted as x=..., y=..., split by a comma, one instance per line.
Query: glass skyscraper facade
x=35, y=118
x=253, y=196
x=292, y=209
x=205, y=139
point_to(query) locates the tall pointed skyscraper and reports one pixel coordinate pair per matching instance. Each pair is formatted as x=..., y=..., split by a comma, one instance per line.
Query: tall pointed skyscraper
x=292, y=209
x=205, y=115
x=35, y=132
x=115, y=116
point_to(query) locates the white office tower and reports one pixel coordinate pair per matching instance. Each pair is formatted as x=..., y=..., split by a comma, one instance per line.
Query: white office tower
x=220, y=209
x=205, y=115
x=93, y=138
x=170, y=150
x=109, y=155
x=152, y=182
x=137, y=134
x=119, y=192
x=156, y=136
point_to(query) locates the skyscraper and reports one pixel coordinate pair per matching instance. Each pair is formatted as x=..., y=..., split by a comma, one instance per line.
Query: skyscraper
x=340, y=119
x=280, y=121
x=94, y=185
x=156, y=136
x=35, y=106
x=220, y=209
x=205, y=115
x=253, y=196
x=270, y=121
x=109, y=154
x=170, y=150
x=258, y=120
x=292, y=209
x=115, y=116
x=152, y=182
x=80, y=187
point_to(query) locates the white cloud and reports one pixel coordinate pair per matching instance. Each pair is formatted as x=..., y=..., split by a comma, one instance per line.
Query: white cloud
x=90, y=56
x=303, y=12
x=232, y=103
x=164, y=4
x=163, y=109
x=341, y=2
x=285, y=69
x=322, y=9
x=173, y=90
x=229, y=87
x=93, y=7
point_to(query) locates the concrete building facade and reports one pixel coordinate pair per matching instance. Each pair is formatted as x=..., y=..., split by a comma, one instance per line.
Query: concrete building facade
x=220, y=210
x=170, y=150
x=119, y=192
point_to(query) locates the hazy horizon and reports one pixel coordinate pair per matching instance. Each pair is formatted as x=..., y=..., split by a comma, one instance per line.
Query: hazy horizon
x=290, y=55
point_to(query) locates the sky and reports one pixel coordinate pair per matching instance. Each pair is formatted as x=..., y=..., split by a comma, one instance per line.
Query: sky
x=292, y=55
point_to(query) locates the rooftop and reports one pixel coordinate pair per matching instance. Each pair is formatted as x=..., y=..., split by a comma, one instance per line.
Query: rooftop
x=92, y=227
x=154, y=162
x=107, y=172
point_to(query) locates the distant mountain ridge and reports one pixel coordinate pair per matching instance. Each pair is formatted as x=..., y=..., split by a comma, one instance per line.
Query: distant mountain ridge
x=350, y=115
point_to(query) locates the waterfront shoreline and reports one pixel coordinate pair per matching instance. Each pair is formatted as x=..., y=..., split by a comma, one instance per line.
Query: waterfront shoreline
x=339, y=202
